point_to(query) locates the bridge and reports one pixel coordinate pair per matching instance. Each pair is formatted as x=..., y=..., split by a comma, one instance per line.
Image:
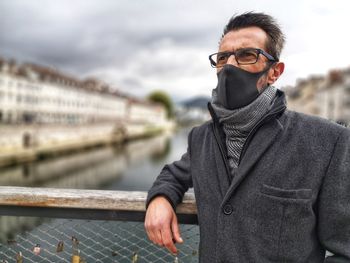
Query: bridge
x=93, y=225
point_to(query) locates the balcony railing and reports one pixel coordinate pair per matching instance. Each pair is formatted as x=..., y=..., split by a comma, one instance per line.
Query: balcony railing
x=93, y=225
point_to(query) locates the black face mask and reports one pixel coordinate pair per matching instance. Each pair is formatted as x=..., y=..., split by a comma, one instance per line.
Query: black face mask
x=237, y=87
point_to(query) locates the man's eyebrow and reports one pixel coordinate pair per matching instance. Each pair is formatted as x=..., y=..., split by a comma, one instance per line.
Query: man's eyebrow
x=224, y=51
x=247, y=48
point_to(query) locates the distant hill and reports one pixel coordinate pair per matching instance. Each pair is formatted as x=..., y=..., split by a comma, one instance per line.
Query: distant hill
x=197, y=102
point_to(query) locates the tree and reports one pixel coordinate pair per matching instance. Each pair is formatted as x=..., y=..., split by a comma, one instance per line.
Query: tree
x=162, y=98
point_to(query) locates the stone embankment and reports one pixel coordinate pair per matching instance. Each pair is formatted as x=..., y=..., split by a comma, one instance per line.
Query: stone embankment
x=28, y=143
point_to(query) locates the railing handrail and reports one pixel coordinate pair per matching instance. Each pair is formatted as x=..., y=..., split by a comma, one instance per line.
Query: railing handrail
x=79, y=201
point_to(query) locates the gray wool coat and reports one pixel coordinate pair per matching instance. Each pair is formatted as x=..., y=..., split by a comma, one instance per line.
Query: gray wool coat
x=289, y=200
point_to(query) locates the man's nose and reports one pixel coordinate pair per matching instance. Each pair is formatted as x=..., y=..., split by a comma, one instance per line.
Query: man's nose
x=232, y=60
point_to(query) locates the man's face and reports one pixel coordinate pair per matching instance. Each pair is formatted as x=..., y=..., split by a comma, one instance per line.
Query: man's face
x=250, y=37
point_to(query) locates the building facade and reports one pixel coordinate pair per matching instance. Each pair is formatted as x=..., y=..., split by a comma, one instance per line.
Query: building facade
x=35, y=94
x=325, y=96
x=334, y=97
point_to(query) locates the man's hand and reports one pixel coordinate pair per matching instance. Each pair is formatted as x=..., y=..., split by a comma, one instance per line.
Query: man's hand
x=161, y=224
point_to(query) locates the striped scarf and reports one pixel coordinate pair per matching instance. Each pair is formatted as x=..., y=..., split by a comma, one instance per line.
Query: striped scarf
x=238, y=123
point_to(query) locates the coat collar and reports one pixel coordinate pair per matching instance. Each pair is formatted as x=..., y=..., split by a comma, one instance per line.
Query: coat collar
x=279, y=102
x=258, y=142
x=261, y=142
x=278, y=107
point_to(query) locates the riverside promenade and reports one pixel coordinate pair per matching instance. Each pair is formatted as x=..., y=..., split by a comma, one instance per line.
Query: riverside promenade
x=25, y=143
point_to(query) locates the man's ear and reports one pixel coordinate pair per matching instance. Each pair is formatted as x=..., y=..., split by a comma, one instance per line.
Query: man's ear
x=275, y=72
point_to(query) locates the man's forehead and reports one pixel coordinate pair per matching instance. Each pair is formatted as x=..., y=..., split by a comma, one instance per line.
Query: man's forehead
x=246, y=37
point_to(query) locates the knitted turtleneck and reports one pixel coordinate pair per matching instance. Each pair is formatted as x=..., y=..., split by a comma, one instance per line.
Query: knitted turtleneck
x=239, y=122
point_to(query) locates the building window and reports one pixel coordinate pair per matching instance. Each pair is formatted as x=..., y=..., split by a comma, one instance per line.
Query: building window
x=9, y=117
x=347, y=102
x=347, y=89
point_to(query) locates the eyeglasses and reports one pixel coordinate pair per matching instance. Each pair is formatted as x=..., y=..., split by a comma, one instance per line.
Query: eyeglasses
x=244, y=56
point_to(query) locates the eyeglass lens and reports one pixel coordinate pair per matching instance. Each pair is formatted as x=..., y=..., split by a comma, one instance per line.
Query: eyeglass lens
x=243, y=56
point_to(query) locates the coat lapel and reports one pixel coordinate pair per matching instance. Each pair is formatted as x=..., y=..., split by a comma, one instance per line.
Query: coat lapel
x=261, y=141
x=224, y=183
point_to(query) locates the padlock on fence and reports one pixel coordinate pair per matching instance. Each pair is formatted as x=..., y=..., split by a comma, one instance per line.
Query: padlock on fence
x=60, y=247
x=75, y=242
x=36, y=249
x=135, y=257
x=19, y=257
x=76, y=256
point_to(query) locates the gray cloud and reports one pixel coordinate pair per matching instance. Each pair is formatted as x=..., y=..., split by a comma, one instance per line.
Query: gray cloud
x=140, y=44
x=103, y=33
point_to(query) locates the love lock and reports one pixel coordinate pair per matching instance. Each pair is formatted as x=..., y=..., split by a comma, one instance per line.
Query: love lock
x=19, y=257
x=36, y=249
x=134, y=257
x=75, y=241
x=60, y=247
x=76, y=256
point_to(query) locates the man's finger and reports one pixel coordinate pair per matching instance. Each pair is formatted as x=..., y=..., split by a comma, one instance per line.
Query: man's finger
x=159, y=238
x=152, y=236
x=156, y=237
x=168, y=240
x=149, y=234
x=153, y=233
x=176, y=231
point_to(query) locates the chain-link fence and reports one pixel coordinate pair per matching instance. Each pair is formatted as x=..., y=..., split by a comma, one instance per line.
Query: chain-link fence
x=64, y=240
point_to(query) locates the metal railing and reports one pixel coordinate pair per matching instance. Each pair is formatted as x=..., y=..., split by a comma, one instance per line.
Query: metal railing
x=89, y=226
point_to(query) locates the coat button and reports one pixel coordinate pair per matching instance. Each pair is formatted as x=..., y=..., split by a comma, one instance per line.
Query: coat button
x=228, y=209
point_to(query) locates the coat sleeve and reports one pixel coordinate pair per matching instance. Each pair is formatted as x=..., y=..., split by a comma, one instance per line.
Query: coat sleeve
x=334, y=203
x=174, y=179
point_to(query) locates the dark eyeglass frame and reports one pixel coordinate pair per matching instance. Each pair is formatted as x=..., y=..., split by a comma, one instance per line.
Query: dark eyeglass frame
x=227, y=54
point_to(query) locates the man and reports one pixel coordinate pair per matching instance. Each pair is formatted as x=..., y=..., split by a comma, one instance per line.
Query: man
x=271, y=185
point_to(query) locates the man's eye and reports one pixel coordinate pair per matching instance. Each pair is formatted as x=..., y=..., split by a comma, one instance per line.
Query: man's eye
x=221, y=57
x=246, y=56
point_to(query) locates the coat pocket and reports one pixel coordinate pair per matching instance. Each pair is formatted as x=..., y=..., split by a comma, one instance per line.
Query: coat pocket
x=285, y=222
x=284, y=193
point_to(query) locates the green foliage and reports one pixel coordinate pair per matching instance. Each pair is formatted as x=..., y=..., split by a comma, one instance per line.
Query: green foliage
x=162, y=98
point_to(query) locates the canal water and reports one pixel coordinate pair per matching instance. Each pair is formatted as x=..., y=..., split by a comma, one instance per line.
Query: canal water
x=132, y=167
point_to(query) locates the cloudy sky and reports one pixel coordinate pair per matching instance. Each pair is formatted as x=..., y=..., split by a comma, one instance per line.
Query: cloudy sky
x=142, y=45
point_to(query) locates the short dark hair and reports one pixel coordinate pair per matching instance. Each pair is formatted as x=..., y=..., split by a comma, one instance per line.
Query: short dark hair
x=275, y=37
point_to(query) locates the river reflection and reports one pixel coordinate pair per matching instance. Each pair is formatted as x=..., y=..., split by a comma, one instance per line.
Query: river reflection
x=133, y=166
x=97, y=168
